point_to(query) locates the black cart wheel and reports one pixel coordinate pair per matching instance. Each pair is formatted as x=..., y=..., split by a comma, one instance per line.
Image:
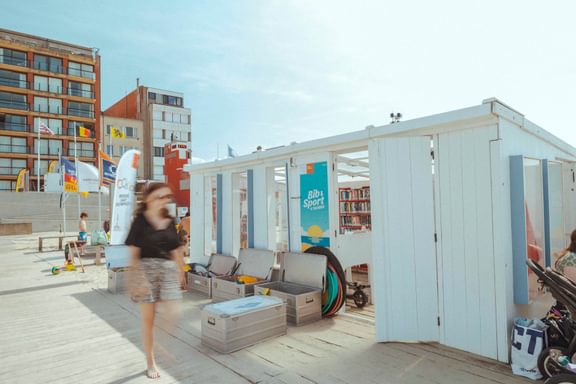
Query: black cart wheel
x=547, y=360
x=360, y=299
x=563, y=378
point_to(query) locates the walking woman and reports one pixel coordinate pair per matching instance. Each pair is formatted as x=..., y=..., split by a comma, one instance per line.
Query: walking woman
x=157, y=274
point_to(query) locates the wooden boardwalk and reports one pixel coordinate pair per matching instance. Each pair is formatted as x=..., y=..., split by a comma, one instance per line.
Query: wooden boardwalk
x=69, y=329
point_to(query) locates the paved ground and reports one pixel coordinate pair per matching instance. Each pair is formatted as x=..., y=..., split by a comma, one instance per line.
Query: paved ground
x=69, y=329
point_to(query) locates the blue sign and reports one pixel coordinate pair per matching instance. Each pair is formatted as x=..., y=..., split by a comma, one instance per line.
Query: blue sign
x=314, y=212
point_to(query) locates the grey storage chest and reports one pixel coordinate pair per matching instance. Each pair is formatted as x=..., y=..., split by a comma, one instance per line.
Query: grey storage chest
x=255, y=263
x=236, y=324
x=117, y=280
x=218, y=265
x=302, y=282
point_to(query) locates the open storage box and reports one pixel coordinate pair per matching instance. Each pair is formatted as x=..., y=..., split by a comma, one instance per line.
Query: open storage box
x=255, y=263
x=218, y=265
x=302, y=281
x=235, y=324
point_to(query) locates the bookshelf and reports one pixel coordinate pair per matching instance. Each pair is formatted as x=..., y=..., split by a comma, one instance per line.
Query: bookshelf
x=354, y=212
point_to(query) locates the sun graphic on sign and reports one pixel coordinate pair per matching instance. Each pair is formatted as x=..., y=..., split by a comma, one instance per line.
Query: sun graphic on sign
x=315, y=231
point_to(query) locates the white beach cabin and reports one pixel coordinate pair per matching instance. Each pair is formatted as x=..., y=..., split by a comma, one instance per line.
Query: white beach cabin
x=458, y=201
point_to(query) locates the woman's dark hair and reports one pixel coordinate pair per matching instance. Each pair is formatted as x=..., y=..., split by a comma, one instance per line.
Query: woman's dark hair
x=572, y=247
x=147, y=192
x=83, y=215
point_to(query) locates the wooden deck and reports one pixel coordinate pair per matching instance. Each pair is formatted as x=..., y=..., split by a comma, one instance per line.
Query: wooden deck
x=68, y=329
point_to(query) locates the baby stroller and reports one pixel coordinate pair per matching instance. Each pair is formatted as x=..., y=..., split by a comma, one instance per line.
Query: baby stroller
x=563, y=327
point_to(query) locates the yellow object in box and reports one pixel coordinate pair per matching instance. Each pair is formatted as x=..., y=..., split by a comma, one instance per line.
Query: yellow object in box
x=244, y=279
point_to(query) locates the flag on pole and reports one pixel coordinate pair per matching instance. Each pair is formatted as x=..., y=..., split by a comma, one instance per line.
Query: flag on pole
x=70, y=178
x=43, y=128
x=84, y=132
x=107, y=169
x=231, y=152
x=117, y=133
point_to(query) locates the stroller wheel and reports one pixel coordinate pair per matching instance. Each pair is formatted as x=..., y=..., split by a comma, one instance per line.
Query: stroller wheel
x=547, y=361
x=563, y=378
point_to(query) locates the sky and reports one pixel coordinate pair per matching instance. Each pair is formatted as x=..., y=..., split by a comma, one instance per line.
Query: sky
x=271, y=72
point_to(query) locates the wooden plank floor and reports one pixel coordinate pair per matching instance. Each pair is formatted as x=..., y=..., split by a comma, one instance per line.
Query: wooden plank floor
x=69, y=329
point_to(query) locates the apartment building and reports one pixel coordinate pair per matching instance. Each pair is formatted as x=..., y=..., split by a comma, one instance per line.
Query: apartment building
x=164, y=118
x=133, y=138
x=50, y=82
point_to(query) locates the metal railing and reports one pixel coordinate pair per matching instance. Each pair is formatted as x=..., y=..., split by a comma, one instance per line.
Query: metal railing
x=80, y=93
x=81, y=152
x=48, y=109
x=80, y=112
x=10, y=171
x=80, y=73
x=14, y=148
x=16, y=127
x=4, y=59
x=47, y=88
x=47, y=67
x=54, y=68
x=14, y=105
x=8, y=82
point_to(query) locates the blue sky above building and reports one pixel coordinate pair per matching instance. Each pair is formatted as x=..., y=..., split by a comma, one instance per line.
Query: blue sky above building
x=272, y=72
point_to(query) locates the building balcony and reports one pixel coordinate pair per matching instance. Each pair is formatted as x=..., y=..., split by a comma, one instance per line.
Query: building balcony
x=12, y=148
x=80, y=113
x=50, y=67
x=9, y=82
x=15, y=127
x=13, y=61
x=9, y=171
x=80, y=93
x=14, y=105
x=81, y=153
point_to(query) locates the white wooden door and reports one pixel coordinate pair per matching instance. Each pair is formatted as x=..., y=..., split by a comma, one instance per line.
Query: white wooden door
x=404, y=257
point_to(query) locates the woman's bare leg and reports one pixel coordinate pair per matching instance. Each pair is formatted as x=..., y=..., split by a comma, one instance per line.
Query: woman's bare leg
x=148, y=311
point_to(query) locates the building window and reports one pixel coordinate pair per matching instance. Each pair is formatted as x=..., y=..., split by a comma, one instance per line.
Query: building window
x=11, y=166
x=152, y=95
x=158, y=152
x=172, y=100
x=131, y=132
x=13, y=79
x=49, y=105
x=48, y=147
x=54, y=124
x=10, y=144
x=189, y=136
x=157, y=115
x=83, y=149
x=80, y=89
x=12, y=57
x=13, y=101
x=43, y=167
x=80, y=109
x=48, y=63
x=110, y=150
x=7, y=185
x=81, y=70
x=164, y=134
x=13, y=123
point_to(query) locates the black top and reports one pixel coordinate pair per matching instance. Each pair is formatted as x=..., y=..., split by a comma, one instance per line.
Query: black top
x=152, y=242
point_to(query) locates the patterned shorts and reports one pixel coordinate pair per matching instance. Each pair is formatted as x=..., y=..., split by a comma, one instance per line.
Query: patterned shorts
x=156, y=280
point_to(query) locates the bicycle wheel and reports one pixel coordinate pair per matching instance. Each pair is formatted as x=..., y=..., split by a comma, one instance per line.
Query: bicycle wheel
x=563, y=378
x=547, y=358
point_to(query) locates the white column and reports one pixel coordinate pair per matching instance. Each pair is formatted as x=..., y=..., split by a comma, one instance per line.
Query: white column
x=260, y=193
x=198, y=225
x=227, y=226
